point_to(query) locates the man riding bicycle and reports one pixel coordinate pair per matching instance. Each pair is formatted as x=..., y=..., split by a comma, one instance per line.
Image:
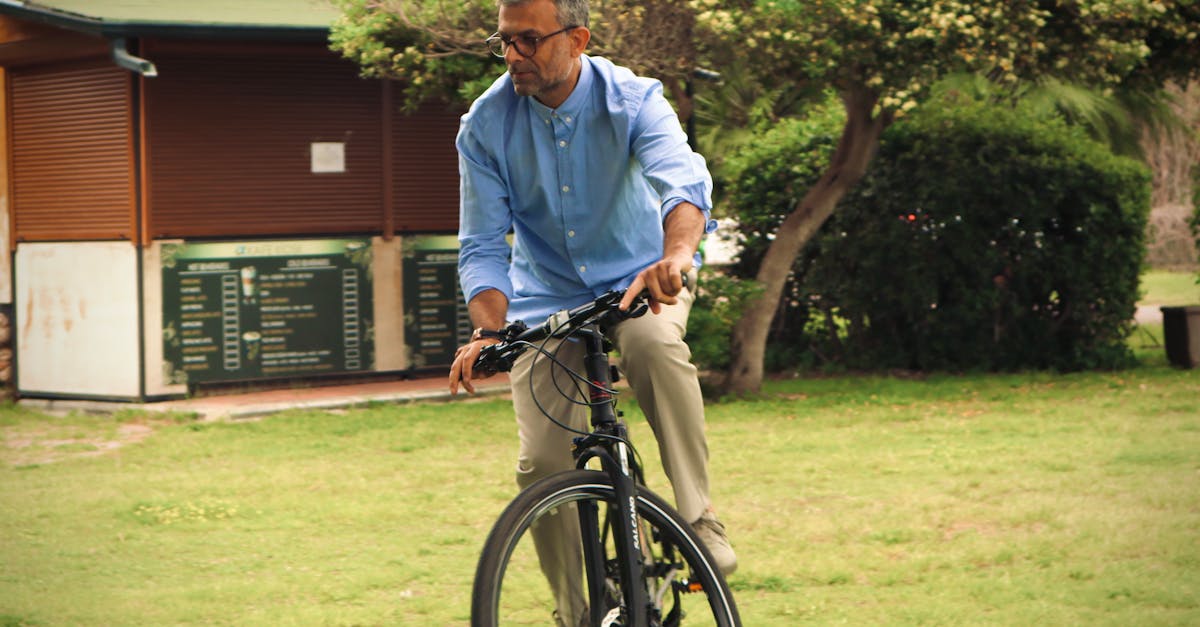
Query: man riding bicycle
x=587, y=165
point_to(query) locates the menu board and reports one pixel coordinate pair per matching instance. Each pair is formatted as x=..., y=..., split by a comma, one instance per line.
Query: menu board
x=249, y=310
x=436, y=322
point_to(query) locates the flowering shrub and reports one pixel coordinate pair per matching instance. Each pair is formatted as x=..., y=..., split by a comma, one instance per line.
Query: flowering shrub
x=982, y=239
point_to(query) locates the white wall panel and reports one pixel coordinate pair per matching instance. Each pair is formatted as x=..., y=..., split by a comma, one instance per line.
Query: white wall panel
x=76, y=314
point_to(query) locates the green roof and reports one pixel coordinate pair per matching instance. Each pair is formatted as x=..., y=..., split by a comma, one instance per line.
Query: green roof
x=167, y=17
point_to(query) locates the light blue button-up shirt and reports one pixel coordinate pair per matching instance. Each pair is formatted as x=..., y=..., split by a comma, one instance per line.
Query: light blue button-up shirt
x=584, y=189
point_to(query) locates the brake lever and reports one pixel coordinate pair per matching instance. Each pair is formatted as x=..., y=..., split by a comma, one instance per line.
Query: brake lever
x=640, y=309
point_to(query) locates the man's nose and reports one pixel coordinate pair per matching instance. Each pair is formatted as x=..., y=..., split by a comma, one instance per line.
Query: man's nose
x=511, y=55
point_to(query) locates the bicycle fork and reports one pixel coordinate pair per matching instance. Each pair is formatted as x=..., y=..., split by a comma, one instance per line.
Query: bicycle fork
x=627, y=534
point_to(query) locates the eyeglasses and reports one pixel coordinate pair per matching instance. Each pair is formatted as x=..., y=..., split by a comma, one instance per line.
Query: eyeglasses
x=526, y=46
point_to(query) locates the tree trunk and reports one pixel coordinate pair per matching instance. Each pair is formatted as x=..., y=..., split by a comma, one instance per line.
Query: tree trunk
x=856, y=148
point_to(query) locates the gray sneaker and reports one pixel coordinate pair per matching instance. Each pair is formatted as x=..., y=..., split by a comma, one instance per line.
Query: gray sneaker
x=712, y=532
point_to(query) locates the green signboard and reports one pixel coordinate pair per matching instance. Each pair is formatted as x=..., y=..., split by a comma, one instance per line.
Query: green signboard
x=435, y=318
x=249, y=310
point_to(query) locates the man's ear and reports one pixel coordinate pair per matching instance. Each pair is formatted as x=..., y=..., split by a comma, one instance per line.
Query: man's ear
x=580, y=36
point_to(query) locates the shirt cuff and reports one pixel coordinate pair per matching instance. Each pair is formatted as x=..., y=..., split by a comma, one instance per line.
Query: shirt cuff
x=476, y=281
x=669, y=205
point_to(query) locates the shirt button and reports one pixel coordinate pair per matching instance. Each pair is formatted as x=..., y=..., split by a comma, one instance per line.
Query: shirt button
x=570, y=233
x=546, y=120
x=566, y=188
x=562, y=144
x=583, y=268
x=567, y=119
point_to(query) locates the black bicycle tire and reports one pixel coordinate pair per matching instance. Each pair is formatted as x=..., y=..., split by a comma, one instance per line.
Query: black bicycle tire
x=573, y=485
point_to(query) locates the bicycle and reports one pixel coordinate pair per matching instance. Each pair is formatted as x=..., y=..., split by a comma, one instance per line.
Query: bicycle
x=642, y=563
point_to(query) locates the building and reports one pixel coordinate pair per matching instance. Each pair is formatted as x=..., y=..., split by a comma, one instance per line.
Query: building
x=203, y=192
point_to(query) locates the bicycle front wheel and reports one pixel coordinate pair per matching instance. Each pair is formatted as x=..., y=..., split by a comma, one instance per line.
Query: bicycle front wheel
x=513, y=584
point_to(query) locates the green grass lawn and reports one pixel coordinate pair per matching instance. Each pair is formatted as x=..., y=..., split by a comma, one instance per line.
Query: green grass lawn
x=1011, y=500
x=998, y=500
x=1170, y=288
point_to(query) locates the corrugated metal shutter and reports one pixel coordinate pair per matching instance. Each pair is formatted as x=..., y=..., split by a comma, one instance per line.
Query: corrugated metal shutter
x=229, y=142
x=72, y=163
x=425, y=170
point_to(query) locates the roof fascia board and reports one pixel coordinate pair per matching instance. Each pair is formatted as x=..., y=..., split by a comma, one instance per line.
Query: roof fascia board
x=212, y=31
x=111, y=30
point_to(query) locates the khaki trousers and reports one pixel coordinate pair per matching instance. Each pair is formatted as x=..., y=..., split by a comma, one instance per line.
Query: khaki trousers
x=656, y=362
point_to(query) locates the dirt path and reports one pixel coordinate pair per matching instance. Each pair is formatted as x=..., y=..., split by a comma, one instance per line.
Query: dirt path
x=32, y=444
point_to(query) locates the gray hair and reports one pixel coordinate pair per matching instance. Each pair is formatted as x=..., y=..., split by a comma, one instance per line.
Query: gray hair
x=570, y=12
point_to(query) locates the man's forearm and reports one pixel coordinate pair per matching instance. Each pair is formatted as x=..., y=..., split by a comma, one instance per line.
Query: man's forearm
x=488, y=309
x=682, y=231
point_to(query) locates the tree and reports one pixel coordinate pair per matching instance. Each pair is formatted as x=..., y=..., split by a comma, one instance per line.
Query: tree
x=436, y=47
x=880, y=56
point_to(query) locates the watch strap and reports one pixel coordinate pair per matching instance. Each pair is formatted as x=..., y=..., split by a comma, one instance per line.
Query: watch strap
x=481, y=333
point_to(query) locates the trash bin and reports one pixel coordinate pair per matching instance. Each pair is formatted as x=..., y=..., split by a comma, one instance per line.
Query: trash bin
x=1181, y=334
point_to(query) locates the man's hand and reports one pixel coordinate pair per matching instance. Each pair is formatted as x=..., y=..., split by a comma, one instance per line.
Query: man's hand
x=664, y=280
x=487, y=310
x=681, y=234
x=463, y=368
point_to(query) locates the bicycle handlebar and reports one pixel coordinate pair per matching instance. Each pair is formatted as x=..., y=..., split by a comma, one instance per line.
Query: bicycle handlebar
x=518, y=337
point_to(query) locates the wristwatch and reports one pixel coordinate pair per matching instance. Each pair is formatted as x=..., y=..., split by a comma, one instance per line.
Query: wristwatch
x=481, y=333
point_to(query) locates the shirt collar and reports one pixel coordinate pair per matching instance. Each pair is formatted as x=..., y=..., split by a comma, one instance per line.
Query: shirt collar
x=569, y=110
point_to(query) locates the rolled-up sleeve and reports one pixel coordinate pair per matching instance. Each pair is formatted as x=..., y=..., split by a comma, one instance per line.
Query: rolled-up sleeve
x=484, y=220
x=675, y=172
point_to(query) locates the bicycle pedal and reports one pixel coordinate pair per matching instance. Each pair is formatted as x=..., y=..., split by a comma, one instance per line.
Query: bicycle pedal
x=612, y=619
x=689, y=587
